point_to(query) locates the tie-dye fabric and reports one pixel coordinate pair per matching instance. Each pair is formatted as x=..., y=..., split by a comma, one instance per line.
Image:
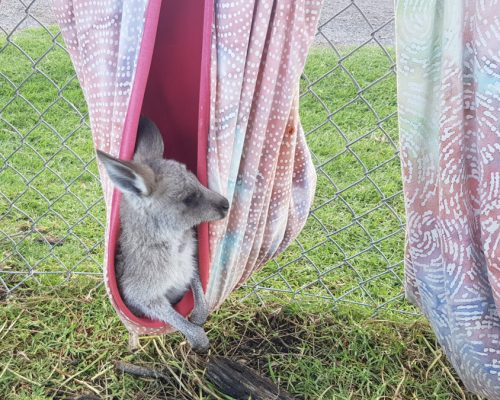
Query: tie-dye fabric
x=448, y=56
x=257, y=155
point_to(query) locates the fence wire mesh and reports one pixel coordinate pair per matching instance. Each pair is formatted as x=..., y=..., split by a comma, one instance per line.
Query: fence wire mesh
x=351, y=250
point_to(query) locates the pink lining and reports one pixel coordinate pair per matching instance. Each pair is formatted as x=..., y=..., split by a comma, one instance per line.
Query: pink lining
x=172, y=87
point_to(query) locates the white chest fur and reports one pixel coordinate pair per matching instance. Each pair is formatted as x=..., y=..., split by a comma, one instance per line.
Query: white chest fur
x=183, y=263
x=150, y=270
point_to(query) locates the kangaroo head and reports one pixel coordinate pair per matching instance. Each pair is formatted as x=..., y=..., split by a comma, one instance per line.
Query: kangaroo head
x=162, y=189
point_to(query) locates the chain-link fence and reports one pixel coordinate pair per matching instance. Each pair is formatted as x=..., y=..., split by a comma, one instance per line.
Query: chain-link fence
x=351, y=250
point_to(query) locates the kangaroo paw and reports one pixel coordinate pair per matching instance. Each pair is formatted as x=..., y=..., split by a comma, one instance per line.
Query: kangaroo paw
x=199, y=341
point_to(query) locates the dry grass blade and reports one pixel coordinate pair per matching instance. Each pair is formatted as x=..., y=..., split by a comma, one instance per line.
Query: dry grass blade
x=445, y=368
x=83, y=370
x=23, y=377
x=11, y=325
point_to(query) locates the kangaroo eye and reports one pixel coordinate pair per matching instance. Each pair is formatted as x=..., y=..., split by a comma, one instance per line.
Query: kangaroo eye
x=190, y=199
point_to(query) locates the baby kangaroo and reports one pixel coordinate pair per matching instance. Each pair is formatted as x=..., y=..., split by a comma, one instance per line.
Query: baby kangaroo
x=162, y=202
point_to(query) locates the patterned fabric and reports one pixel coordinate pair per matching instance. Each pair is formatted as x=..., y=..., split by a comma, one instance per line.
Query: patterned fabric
x=257, y=155
x=449, y=115
x=103, y=39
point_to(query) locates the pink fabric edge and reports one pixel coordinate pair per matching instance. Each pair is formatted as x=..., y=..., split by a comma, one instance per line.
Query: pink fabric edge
x=203, y=128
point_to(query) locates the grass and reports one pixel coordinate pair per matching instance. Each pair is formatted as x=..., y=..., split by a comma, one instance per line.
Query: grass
x=60, y=203
x=58, y=341
x=53, y=347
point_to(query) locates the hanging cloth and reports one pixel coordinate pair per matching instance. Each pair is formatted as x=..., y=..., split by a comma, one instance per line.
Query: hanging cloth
x=448, y=62
x=221, y=81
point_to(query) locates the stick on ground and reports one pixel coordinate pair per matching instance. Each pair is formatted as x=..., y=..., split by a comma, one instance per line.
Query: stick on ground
x=142, y=372
x=241, y=382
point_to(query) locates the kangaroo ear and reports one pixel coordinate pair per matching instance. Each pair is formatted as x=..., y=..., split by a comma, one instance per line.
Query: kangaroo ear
x=129, y=177
x=149, y=145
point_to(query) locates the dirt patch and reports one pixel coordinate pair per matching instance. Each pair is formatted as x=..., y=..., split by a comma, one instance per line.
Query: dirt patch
x=14, y=15
x=346, y=22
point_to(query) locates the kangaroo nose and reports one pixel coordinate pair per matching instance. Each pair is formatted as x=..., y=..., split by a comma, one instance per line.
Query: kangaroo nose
x=224, y=205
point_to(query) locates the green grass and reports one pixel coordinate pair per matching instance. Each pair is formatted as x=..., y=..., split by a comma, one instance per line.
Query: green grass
x=59, y=203
x=355, y=148
x=60, y=341
x=52, y=347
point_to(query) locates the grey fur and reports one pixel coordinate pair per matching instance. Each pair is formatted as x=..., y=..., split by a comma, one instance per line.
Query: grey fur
x=157, y=260
x=149, y=143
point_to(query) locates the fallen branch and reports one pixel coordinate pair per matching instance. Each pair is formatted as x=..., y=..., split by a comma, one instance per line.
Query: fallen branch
x=241, y=382
x=143, y=372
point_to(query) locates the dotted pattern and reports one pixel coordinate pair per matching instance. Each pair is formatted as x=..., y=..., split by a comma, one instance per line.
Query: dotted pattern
x=449, y=110
x=103, y=38
x=257, y=155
